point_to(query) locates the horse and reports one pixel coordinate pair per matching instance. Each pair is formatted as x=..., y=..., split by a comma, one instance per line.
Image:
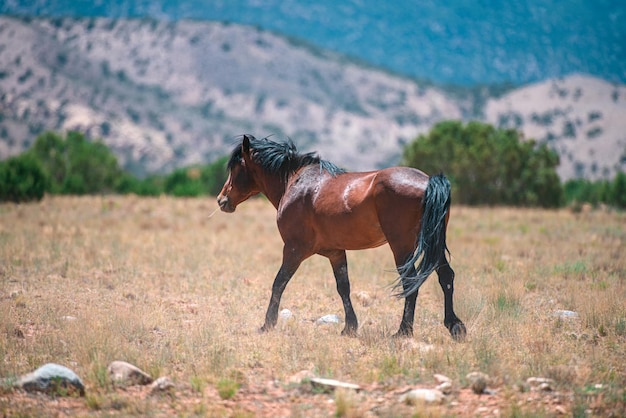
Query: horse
x=323, y=209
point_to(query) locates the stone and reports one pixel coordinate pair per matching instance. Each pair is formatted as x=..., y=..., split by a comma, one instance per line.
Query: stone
x=445, y=387
x=331, y=384
x=52, y=379
x=543, y=384
x=123, y=373
x=565, y=314
x=285, y=315
x=328, y=319
x=162, y=385
x=440, y=378
x=416, y=396
x=364, y=298
x=478, y=382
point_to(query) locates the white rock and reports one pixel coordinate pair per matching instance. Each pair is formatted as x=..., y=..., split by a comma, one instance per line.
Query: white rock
x=285, y=314
x=416, y=396
x=52, y=378
x=328, y=319
x=440, y=378
x=445, y=387
x=333, y=384
x=124, y=373
x=540, y=383
x=565, y=314
x=162, y=384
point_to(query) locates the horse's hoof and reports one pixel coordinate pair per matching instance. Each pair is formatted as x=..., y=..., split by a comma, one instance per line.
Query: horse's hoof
x=403, y=333
x=264, y=329
x=349, y=332
x=458, y=332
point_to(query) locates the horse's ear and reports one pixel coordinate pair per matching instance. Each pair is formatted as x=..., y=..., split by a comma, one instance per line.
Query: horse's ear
x=245, y=144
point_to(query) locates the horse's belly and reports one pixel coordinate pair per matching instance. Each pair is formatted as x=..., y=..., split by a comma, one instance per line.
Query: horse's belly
x=350, y=235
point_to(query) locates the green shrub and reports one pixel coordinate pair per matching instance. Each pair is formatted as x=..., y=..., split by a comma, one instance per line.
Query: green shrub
x=22, y=179
x=75, y=165
x=613, y=193
x=197, y=180
x=488, y=166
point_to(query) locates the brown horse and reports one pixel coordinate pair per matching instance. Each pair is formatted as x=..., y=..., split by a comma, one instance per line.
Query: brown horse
x=325, y=210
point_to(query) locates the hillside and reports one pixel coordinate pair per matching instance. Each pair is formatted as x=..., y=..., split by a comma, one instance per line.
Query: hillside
x=167, y=94
x=453, y=42
x=582, y=118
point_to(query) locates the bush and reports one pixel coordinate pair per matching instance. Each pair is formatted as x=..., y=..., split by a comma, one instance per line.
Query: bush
x=75, y=165
x=151, y=186
x=197, y=180
x=22, y=179
x=611, y=193
x=488, y=165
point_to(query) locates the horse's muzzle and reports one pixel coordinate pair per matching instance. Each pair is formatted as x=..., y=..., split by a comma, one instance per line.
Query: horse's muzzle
x=224, y=203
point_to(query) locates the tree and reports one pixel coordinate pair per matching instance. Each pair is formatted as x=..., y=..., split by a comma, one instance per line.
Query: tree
x=618, y=191
x=197, y=180
x=22, y=179
x=75, y=165
x=488, y=165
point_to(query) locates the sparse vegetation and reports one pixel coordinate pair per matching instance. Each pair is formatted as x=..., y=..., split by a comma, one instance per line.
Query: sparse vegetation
x=156, y=282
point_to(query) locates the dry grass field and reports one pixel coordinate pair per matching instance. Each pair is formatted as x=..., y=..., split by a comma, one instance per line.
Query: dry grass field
x=164, y=284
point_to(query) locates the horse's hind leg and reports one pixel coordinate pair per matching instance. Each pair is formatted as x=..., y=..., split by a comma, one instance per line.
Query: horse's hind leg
x=408, y=314
x=339, y=263
x=451, y=321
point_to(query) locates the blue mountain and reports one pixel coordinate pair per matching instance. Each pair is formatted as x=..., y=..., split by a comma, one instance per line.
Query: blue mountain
x=454, y=42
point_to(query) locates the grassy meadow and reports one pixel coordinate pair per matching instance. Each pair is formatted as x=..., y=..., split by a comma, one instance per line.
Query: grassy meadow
x=180, y=291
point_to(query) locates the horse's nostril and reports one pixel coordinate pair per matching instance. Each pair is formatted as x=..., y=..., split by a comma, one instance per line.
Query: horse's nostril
x=224, y=204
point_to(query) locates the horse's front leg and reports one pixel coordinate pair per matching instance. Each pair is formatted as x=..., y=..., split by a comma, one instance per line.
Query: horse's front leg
x=291, y=262
x=339, y=263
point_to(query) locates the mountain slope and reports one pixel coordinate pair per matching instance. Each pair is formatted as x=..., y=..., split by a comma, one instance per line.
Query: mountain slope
x=165, y=94
x=162, y=95
x=457, y=41
x=582, y=118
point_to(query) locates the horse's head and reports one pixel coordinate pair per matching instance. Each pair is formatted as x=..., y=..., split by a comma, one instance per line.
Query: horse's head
x=240, y=184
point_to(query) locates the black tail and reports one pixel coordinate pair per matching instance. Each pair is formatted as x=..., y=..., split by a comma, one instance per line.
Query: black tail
x=431, y=242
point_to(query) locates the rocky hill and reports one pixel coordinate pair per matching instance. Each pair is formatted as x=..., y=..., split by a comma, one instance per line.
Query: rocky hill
x=167, y=94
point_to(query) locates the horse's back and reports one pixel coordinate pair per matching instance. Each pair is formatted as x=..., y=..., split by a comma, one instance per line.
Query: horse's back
x=353, y=210
x=402, y=182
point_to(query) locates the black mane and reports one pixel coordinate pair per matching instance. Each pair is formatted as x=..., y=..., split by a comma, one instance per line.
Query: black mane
x=281, y=158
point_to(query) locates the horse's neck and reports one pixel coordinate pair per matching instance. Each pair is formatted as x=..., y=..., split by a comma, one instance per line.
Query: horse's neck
x=274, y=189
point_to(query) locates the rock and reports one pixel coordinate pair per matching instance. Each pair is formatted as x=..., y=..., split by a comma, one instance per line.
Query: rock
x=162, y=385
x=543, y=384
x=565, y=314
x=328, y=319
x=364, y=298
x=445, y=387
x=285, y=315
x=439, y=378
x=331, y=384
x=124, y=373
x=478, y=382
x=52, y=379
x=416, y=396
